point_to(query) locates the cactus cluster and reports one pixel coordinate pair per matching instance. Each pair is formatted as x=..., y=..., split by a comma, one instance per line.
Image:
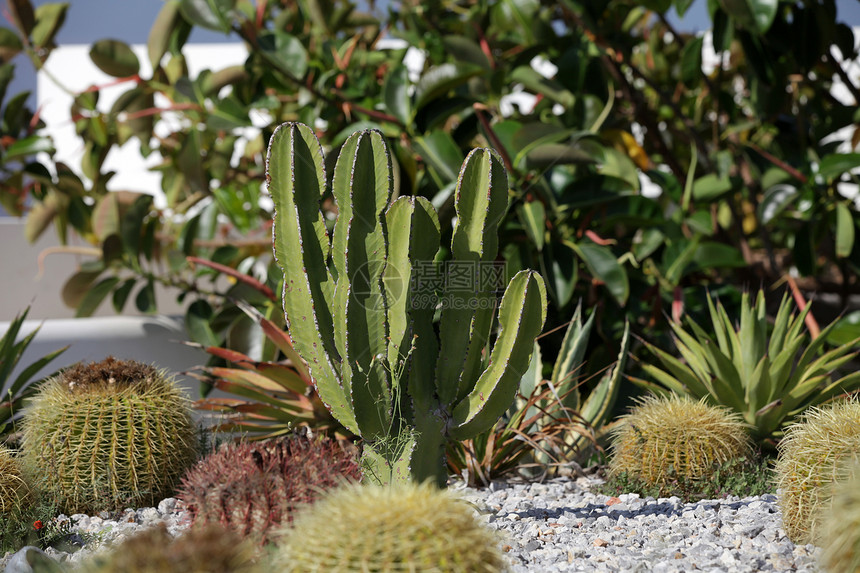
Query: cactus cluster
x=360, y=304
x=402, y=527
x=254, y=488
x=674, y=436
x=13, y=488
x=811, y=457
x=108, y=435
x=198, y=550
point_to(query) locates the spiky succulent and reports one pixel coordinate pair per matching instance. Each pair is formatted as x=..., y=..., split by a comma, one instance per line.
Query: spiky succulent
x=669, y=436
x=254, y=488
x=108, y=435
x=810, y=457
x=378, y=529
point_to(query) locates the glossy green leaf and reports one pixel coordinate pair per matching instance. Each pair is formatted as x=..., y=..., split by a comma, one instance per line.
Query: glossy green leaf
x=844, y=230
x=10, y=44
x=776, y=199
x=115, y=58
x=603, y=265
x=49, y=19
x=836, y=164
x=691, y=61
x=466, y=50
x=120, y=295
x=211, y=14
x=285, y=52
x=710, y=187
x=22, y=15
x=145, y=299
x=77, y=286
x=537, y=84
x=162, y=30
x=28, y=146
x=442, y=153
x=532, y=215
x=95, y=295
x=846, y=329
x=198, y=323
x=396, y=94
x=441, y=79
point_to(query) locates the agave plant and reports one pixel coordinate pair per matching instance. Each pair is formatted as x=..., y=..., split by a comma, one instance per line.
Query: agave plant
x=23, y=386
x=271, y=398
x=769, y=380
x=551, y=424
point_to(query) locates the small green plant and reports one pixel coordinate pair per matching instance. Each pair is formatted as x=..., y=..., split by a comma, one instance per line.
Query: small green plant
x=108, y=435
x=14, y=392
x=664, y=439
x=254, y=488
x=744, y=476
x=360, y=306
x=404, y=527
x=198, y=550
x=769, y=380
x=840, y=527
x=810, y=459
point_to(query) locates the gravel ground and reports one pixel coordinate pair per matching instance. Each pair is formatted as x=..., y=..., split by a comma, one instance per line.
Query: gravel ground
x=560, y=526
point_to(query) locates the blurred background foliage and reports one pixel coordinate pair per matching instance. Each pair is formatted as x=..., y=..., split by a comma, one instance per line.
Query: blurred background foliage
x=646, y=164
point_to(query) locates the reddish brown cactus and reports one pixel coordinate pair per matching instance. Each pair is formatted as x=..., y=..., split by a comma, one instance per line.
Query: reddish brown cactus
x=253, y=488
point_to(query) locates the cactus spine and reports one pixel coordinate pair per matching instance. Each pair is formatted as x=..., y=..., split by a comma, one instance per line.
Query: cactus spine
x=354, y=304
x=108, y=435
x=674, y=436
x=405, y=527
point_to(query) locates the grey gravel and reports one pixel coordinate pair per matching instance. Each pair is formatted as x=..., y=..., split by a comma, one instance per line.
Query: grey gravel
x=560, y=525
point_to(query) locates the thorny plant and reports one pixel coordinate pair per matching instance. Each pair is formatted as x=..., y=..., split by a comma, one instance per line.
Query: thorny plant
x=532, y=428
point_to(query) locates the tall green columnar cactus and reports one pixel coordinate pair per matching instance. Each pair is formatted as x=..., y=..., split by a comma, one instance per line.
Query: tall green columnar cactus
x=360, y=306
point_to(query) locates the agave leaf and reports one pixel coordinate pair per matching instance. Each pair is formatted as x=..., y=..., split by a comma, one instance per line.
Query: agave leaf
x=655, y=389
x=779, y=336
x=760, y=388
x=693, y=384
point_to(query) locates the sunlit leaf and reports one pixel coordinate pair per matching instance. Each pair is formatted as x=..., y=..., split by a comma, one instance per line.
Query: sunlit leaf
x=844, y=231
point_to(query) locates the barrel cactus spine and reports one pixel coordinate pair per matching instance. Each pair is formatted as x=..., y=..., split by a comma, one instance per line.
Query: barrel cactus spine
x=253, y=488
x=404, y=527
x=812, y=455
x=108, y=435
x=675, y=436
x=361, y=318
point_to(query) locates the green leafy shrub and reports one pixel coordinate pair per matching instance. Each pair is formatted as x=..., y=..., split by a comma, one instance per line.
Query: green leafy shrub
x=402, y=527
x=811, y=456
x=254, y=488
x=108, y=435
x=768, y=379
x=207, y=549
x=667, y=438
